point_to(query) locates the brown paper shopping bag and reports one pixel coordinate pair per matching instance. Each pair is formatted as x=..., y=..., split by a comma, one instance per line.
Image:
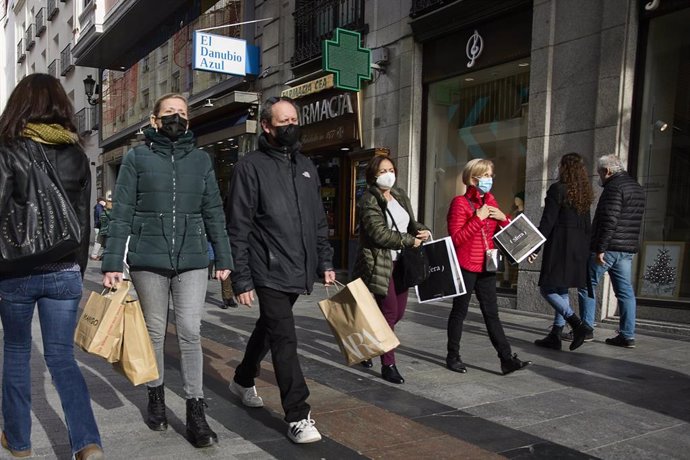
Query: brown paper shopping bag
x=99, y=329
x=357, y=323
x=138, y=361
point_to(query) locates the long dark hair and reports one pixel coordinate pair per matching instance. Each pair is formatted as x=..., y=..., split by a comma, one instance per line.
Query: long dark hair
x=37, y=98
x=372, y=169
x=573, y=174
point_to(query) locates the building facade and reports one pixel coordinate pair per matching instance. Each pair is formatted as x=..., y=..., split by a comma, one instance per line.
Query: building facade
x=520, y=82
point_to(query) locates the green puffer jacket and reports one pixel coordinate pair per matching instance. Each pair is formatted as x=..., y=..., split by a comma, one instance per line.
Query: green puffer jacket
x=167, y=202
x=374, y=263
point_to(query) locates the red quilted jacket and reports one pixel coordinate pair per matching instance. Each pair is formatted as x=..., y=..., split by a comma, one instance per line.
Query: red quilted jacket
x=464, y=227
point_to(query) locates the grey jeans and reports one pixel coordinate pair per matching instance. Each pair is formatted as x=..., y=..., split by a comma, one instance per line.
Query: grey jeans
x=188, y=299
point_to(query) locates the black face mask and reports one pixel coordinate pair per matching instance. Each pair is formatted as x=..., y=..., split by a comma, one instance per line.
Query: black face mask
x=287, y=135
x=172, y=126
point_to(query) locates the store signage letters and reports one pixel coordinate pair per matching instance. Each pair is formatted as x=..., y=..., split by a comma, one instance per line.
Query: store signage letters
x=221, y=54
x=309, y=87
x=327, y=108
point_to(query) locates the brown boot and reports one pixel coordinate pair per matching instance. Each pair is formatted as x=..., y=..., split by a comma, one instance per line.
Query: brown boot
x=15, y=453
x=90, y=452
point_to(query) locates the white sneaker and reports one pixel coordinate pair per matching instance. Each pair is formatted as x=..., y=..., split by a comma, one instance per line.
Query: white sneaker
x=304, y=431
x=247, y=395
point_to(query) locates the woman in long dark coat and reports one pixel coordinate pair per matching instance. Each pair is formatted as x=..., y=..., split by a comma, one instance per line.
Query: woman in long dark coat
x=566, y=225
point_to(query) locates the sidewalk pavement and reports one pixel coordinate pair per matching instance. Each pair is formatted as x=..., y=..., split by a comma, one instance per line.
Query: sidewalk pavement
x=597, y=402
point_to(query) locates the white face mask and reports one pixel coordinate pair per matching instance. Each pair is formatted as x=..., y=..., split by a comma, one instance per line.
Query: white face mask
x=386, y=180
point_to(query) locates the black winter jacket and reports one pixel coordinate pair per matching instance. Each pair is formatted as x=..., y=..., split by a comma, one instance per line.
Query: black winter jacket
x=567, y=235
x=72, y=167
x=618, y=217
x=276, y=221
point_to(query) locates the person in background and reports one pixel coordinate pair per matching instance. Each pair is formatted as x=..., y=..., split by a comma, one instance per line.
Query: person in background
x=97, y=212
x=566, y=225
x=105, y=222
x=39, y=116
x=279, y=237
x=472, y=221
x=615, y=240
x=168, y=205
x=227, y=295
x=383, y=210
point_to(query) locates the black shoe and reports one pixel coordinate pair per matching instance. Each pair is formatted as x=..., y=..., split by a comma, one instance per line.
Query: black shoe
x=228, y=303
x=198, y=431
x=620, y=341
x=156, y=419
x=568, y=336
x=455, y=364
x=391, y=374
x=367, y=363
x=553, y=340
x=580, y=331
x=513, y=364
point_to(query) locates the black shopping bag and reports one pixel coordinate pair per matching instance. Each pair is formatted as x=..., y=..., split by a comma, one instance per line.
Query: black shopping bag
x=519, y=239
x=445, y=278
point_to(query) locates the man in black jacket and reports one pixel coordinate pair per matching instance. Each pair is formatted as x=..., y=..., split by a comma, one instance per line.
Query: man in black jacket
x=279, y=237
x=615, y=240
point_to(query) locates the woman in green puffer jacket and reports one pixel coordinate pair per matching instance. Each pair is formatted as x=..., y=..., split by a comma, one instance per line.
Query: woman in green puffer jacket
x=167, y=204
x=382, y=209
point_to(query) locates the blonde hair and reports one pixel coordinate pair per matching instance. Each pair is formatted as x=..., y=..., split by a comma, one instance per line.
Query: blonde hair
x=157, y=104
x=475, y=168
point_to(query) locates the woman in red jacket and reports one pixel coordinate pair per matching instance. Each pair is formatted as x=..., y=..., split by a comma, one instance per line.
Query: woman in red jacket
x=472, y=221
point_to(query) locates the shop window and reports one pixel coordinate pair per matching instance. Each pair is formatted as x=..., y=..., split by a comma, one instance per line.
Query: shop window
x=663, y=165
x=477, y=115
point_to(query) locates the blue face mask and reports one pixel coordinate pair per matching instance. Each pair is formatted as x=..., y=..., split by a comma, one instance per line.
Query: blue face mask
x=485, y=184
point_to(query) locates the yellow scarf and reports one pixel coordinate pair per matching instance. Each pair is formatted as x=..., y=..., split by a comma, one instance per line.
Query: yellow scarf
x=49, y=134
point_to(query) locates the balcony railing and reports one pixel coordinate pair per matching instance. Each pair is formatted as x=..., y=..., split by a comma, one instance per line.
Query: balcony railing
x=420, y=7
x=66, y=62
x=86, y=120
x=21, y=53
x=40, y=22
x=30, y=37
x=52, y=9
x=53, y=68
x=315, y=21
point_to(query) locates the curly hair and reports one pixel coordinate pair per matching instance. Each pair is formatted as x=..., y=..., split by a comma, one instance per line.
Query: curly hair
x=573, y=173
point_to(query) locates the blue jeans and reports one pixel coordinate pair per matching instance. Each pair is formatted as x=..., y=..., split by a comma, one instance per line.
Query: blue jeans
x=619, y=266
x=57, y=295
x=560, y=301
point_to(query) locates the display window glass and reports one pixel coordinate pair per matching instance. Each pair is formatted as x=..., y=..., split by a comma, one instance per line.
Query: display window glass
x=481, y=114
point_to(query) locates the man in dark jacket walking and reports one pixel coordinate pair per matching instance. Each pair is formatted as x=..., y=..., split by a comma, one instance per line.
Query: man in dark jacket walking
x=279, y=237
x=615, y=240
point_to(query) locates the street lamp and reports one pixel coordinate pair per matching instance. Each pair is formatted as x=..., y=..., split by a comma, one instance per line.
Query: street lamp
x=89, y=87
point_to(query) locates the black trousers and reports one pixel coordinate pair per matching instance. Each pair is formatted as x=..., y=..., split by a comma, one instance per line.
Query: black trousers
x=275, y=331
x=484, y=286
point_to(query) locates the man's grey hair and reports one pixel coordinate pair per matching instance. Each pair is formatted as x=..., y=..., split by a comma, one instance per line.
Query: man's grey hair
x=611, y=162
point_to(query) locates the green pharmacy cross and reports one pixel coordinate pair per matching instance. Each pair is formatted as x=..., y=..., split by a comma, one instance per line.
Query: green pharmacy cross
x=349, y=62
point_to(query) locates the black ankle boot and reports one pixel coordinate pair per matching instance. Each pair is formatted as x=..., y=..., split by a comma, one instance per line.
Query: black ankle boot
x=391, y=374
x=580, y=331
x=455, y=364
x=198, y=431
x=156, y=419
x=553, y=340
x=513, y=364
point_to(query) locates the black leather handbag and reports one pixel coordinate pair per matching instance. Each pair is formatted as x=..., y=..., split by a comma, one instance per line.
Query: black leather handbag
x=413, y=262
x=37, y=224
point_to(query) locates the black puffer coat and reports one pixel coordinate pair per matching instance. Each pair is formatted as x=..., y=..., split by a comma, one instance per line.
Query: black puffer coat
x=72, y=167
x=618, y=218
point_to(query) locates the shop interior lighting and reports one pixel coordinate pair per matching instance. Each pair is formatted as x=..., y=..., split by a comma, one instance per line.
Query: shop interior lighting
x=523, y=64
x=661, y=125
